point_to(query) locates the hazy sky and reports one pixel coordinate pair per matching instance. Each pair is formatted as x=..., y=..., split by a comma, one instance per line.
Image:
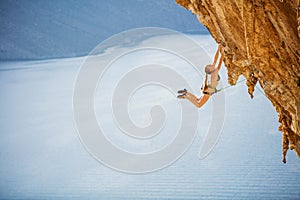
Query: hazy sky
x=44, y=29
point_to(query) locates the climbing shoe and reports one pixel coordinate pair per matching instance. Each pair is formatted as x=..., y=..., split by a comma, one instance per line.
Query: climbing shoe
x=182, y=96
x=182, y=91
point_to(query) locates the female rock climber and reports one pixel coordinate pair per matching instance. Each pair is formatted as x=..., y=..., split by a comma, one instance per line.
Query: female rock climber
x=210, y=82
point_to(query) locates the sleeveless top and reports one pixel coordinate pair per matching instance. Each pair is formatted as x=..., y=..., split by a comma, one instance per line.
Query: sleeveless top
x=209, y=85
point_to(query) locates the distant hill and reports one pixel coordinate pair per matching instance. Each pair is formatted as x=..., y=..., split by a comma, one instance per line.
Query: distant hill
x=67, y=28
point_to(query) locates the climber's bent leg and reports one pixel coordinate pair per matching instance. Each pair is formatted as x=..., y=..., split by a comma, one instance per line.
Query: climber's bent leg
x=198, y=102
x=192, y=98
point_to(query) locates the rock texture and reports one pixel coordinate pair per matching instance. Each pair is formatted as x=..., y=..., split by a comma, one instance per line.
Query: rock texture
x=262, y=43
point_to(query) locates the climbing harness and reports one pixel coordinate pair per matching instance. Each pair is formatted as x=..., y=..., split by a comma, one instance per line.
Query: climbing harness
x=214, y=88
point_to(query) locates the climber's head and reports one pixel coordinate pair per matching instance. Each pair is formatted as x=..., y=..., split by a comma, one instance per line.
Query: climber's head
x=209, y=69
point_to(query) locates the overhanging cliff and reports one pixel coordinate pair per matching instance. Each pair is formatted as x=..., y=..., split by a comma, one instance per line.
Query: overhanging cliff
x=262, y=43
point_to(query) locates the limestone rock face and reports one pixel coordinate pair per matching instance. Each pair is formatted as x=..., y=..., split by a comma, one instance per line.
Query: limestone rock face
x=262, y=43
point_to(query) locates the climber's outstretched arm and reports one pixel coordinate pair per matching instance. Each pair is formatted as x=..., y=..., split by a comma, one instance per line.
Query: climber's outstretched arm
x=221, y=59
x=198, y=102
x=217, y=54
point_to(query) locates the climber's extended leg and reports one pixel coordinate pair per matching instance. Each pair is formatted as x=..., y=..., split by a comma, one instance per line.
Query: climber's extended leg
x=192, y=98
x=198, y=102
